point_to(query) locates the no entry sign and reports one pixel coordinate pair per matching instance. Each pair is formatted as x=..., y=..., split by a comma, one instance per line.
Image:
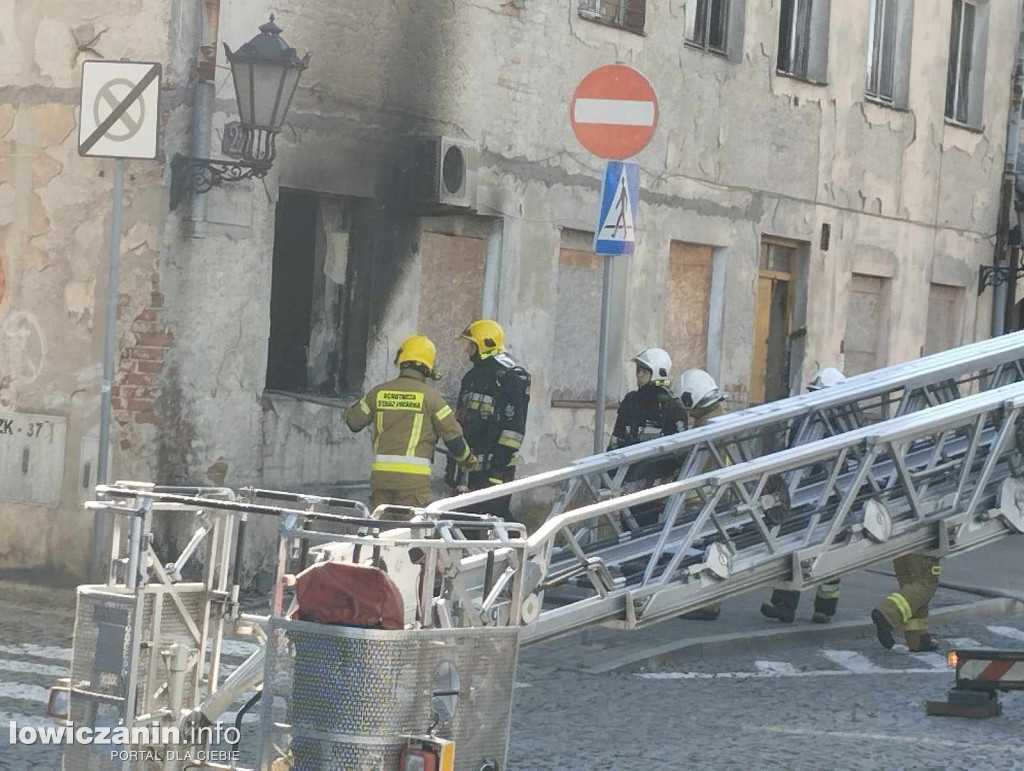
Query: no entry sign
x=614, y=111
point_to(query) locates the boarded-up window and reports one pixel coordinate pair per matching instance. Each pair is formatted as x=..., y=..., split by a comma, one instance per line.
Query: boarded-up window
x=451, y=289
x=944, y=310
x=867, y=323
x=577, y=325
x=687, y=302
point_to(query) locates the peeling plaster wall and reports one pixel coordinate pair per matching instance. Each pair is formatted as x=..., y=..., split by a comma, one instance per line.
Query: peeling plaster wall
x=55, y=210
x=740, y=152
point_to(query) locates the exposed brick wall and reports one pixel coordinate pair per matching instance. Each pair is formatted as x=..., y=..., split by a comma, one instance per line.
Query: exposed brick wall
x=135, y=384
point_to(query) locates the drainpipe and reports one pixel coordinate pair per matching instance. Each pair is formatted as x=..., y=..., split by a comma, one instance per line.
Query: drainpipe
x=1000, y=294
x=1004, y=296
x=203, y=98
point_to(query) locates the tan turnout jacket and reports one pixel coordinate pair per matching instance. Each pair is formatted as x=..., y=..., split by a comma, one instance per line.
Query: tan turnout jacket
x=408, y=417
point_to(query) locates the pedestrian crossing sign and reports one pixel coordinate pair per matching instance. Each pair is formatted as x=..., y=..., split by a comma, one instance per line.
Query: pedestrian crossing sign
x=616, y=220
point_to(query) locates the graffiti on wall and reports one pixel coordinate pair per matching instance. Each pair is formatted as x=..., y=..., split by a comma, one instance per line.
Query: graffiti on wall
x=22, y=348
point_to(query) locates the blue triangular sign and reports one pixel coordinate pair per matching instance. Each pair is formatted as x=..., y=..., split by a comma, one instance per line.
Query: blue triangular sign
x=616, y=220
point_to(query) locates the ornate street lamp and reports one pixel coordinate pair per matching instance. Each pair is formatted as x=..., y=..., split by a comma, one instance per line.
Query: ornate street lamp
x=266, y=72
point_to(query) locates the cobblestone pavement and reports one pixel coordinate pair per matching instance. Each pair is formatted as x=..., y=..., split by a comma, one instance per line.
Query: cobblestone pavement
x=849, y=706
x=846, y=706
x=35, y=649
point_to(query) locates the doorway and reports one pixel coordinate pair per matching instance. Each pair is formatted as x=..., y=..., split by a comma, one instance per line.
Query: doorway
x=773, y=321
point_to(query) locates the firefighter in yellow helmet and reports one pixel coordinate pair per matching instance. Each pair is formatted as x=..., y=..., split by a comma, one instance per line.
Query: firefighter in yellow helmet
x=408, y=416
x=493, y=402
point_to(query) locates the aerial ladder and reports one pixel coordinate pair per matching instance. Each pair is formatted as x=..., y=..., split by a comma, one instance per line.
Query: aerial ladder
x=927, y=455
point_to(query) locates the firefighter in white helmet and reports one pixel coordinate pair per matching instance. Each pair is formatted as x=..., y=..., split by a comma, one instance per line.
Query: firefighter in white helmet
x=698, y=392
x=700, y=396
x=784, y=602
x=650, y=411
x=826, y=378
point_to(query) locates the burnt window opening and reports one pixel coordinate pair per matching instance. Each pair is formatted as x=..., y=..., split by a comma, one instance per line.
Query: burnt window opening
x=627, y=14
x=311, y=296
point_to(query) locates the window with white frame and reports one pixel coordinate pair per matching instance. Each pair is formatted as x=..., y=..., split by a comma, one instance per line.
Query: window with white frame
x=707, y=24
x=803, y=39
x=890, y=26
x=961, y=61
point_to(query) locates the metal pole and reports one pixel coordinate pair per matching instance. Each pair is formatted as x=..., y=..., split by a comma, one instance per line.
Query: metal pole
x=602, y=358
x=1004, y=294
x=102, y=461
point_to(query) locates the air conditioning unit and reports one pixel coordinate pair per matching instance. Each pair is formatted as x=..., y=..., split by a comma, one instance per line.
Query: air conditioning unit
x=445, y=172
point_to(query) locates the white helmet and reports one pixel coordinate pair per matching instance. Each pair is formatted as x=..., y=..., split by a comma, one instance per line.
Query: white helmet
x=825, y=378
x=658, y=362
x=696, y=389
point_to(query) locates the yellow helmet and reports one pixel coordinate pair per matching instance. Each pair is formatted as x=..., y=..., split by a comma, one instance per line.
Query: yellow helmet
x=488, y=336
x=417, y=349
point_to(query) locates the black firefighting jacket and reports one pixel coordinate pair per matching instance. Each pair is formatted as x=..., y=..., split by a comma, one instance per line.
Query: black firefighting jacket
x=647, y=413
x=492, y=407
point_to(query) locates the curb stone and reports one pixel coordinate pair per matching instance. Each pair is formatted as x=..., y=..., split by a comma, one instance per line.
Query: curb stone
x=768, y=640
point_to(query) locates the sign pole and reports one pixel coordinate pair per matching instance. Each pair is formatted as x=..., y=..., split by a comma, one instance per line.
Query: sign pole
x=119, y=118
x=602, y=358
x=613, y=113
x=615, y=234
x=108, y=364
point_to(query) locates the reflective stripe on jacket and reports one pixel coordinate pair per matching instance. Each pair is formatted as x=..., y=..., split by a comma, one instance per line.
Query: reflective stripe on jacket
x=408, y=417
x=494, y=399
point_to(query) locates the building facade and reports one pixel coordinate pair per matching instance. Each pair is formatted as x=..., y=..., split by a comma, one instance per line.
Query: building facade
x=822, y=190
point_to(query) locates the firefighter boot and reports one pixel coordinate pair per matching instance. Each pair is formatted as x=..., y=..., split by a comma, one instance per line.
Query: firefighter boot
x=883, y=629
x=826, y=600
x=780, y=612
x=782, y=606
x=920, y=642
x=926, y=643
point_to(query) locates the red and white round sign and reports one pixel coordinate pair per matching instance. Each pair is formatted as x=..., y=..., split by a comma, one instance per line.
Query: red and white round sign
x=614, y=111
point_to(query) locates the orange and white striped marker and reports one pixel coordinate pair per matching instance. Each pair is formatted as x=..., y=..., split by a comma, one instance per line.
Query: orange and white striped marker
x=614, y=111
x=1007, y=671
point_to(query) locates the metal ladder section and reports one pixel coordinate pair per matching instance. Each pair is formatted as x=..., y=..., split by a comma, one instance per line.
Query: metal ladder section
x=862, y=400
x=946, y=479
x=624, y=539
